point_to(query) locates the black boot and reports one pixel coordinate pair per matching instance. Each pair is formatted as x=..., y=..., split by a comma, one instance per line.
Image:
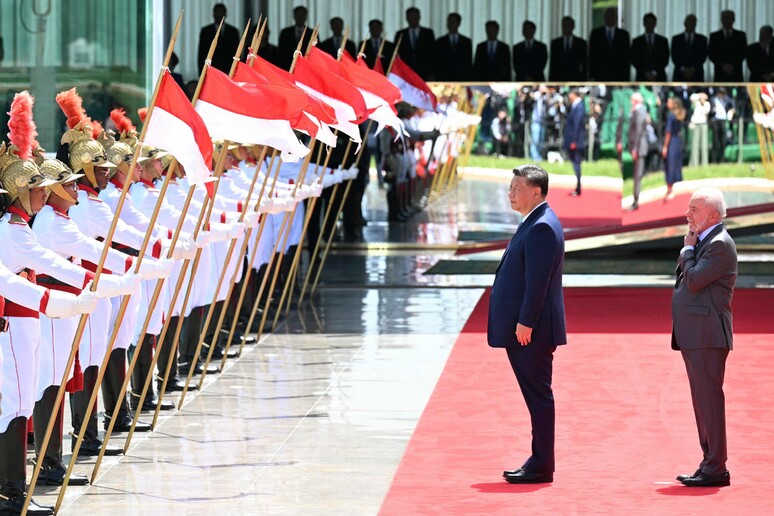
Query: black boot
x=393, y=212
x=189, y=339
x=111, y=387
x=53, y=471
x=13, y=475
x=165, y=351
x=140, y=374
x=79, y=401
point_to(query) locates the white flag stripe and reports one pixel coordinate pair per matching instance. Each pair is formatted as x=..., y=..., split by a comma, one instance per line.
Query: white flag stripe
x=226, y=125
x=168, y=132
x=344, y=113
x=383, y=115
x=411, y=94
x=324, y=133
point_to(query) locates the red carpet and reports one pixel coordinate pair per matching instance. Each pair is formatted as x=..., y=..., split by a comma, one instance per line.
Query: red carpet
x=625, y=426
x=595, y=207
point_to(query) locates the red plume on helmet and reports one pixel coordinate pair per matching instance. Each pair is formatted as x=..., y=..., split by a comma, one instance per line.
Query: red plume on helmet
x=22, y=127
x=124, y=125
x=143, y=112
x=72, y=106
x=96, y=128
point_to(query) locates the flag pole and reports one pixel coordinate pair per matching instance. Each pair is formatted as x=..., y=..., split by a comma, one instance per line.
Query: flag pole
x=270, y=264
x=125, y=299
x=299, y=249
x=340, y=207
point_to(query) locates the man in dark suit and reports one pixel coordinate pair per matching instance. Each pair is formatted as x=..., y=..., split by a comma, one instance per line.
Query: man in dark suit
x=376, y=32
x=417, y=47
x=568, y=55
x=454, y=53
x=650, y=53
x=333, y=44
x=638, y=143
x=526, y=313
x=702, y=327
x=529, y=56
x=228, y=41
x=689, y=52
x=493, y=57
x=290, y=36
x=760, y=56
x=574, y=135
x=609, y=52
x=727, y=50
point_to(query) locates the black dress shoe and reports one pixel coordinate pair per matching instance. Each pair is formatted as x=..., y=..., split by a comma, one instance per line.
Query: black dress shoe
x=124, y=423
x=52, y=474
x=522, y=476
x=92, y=447
x=177, y=385
x=680, y=478
x=704, y=480
x=149, y=404
x=12, y=500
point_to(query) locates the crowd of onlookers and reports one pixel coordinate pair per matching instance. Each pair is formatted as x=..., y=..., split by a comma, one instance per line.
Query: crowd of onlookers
x=677, y=126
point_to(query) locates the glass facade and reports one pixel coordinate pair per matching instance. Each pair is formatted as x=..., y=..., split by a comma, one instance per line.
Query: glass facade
x=100, y=47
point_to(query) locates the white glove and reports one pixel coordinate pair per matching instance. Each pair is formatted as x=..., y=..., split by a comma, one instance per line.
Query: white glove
x=277, y=206
x=156, y=269
x=351, y=173
x=187, y=248
x=310, y=178
x=203, y=239
x=62, y=304
x=327, y=180
x=263, y=206
x=316, y=190
x=112, y=286
x=338, y=175
x=252, y=218
x=237, y=230
x=290, y=204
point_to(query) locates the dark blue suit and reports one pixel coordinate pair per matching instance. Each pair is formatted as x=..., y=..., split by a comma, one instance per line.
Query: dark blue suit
x=528, y=290
x=575, y=132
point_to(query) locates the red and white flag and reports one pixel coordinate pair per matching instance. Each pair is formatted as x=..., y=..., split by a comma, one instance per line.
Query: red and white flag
x=337, y=92
x=379, y=93
x=177, y=128
x=312, y=120
x=250, y=114
x=415, y=91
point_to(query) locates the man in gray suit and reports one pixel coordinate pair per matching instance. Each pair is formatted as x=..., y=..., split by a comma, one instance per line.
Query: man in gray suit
x=702, y=327
x=638, y=143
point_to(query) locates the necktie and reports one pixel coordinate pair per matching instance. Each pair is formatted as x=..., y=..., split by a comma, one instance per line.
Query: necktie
x=728, y=34
x=529, y=45
x=413, y=34
x=690, y=39
x=337, y=43
x=454, y=41
x=491, y=49
x=566, y=44
x=610, y=36
x=375, y=44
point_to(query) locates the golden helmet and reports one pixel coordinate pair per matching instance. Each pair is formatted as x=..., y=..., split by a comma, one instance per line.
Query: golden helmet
x=119, y=154
x=60, y=173
x=19, y=176
x=85, y=152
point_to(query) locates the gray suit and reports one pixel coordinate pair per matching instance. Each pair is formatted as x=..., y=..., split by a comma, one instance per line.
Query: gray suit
x=702, y=331
x=638, y=142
